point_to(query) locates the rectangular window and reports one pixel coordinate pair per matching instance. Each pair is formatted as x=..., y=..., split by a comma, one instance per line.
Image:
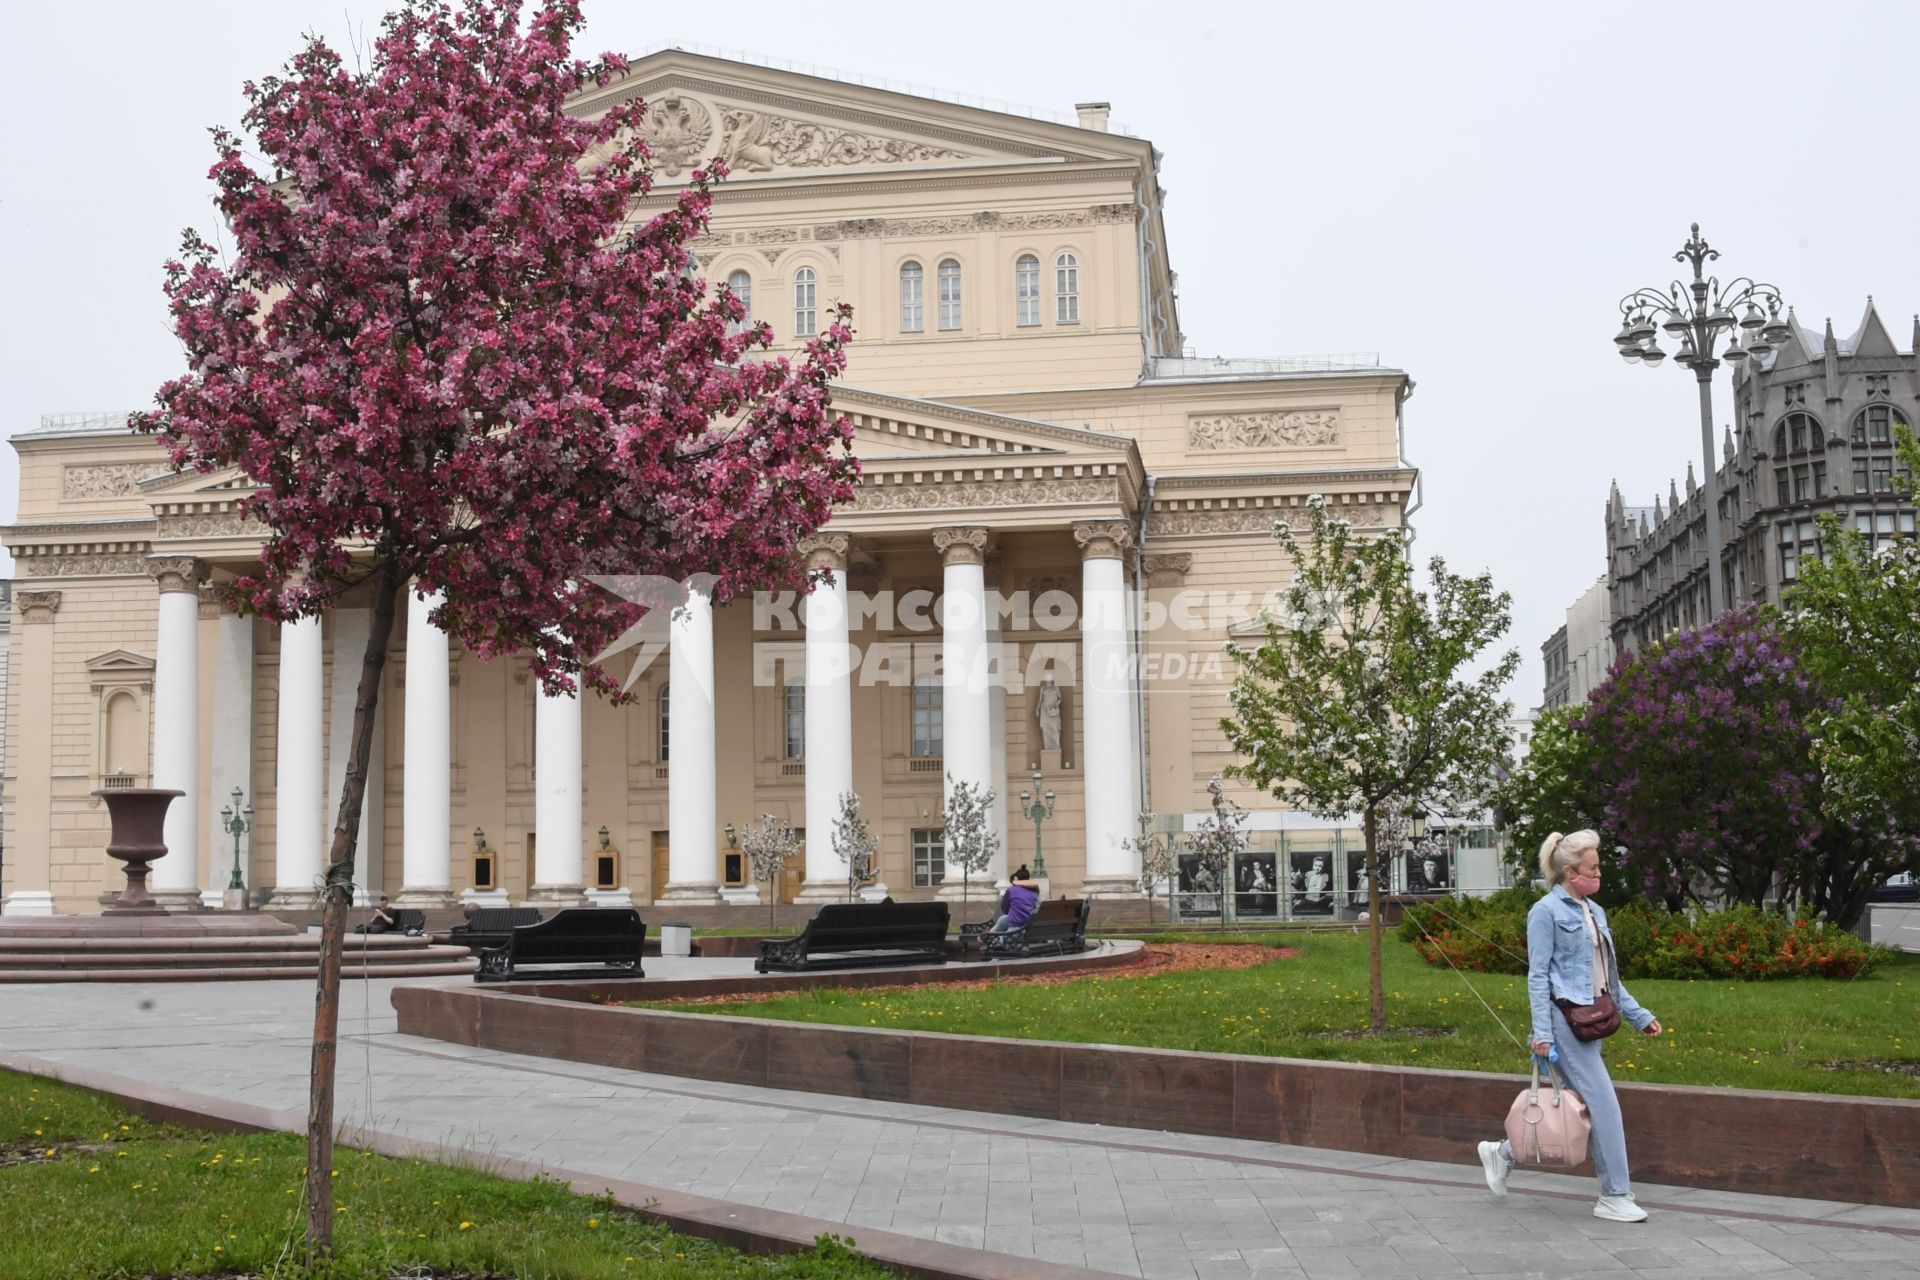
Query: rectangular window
x=1879, y=424
x=806, y=304
x=1819, y=479
x=1789, y=563
x=1026, y=288
x=928, y=730
x=794, y=718
x=1906, y=522
x=1860, y=476
x=1883, y=523
x=1783, y=493
x=1801, y=489
x=1859, y=435
x=929, y=857
x=1883, y=475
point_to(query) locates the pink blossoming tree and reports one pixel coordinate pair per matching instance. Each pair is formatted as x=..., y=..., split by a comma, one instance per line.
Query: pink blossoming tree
x=454, y=357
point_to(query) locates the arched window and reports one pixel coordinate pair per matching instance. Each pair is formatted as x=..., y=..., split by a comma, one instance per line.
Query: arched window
x=1799, y=433
x=913, y=298
x=949, y=294
x=1066, y=289
x=928, y=731
x=793, y=719
x=1874, y=425
x=741, y=285
x=806, y=303
x=1026, y=289
x=665, y=737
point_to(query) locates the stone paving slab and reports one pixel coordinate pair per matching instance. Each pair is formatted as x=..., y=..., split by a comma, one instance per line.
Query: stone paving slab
x=1122, y=1201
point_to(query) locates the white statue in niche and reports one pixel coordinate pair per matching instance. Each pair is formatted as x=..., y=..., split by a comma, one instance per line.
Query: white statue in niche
x=1046, y=709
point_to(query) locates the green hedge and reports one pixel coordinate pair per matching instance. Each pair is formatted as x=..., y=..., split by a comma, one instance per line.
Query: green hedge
x=1489, y=935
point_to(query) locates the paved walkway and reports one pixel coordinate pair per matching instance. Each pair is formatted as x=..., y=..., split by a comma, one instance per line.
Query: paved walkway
x=1121, y=1201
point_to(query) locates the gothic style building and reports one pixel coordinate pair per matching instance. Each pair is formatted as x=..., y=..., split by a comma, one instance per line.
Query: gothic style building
x=1029, y=428
x=1814, y=434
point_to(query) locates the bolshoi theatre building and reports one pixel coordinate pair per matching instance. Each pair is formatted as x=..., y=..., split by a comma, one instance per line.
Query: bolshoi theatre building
x=1046, y=478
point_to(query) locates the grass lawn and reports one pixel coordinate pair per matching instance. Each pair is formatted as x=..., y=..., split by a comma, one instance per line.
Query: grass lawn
x=1756, y=1035
x=88, y=1192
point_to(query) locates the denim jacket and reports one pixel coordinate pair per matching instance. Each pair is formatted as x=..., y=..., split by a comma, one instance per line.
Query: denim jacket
x=1560, y=961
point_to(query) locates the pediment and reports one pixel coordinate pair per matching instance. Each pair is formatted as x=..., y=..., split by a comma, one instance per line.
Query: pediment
x=178, y=484
x=119, y=666
x=770, y=122
x=887, y=426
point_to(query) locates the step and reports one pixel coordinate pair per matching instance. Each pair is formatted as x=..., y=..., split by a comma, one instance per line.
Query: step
x=208, y=958
x=236, y=974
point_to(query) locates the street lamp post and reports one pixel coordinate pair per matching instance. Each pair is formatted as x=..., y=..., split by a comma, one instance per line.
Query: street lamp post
x=1038, y=808
x=1697, y=314
x=236, y=820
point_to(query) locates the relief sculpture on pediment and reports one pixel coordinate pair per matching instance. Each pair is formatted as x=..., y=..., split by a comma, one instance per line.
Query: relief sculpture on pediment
x=758, y=141
x=1273, y=430
x=676, y=131
x=80, y=484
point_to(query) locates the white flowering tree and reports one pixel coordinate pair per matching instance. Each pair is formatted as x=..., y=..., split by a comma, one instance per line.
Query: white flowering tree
x=971, y=841
x=1159, y=859
x=853, y=842
x=1359, y=698
x=770, y=844
x=1219, y=839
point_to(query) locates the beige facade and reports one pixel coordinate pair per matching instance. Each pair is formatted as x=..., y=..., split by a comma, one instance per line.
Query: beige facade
x=1022, y=408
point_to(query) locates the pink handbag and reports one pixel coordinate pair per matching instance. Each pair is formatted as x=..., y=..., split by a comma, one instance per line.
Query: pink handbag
x=1548, y=1130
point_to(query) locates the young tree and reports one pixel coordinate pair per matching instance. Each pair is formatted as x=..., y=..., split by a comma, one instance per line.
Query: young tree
x=1856, y=617
x=448, y=363
x=1703, y=760
x=1357, y=699
x=971, y=841
x=770, y=844
x=1159, y=859
x=1218, y=840
x=853, y=841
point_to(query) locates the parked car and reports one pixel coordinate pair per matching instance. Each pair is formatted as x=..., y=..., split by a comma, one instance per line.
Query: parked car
x=1901, y=888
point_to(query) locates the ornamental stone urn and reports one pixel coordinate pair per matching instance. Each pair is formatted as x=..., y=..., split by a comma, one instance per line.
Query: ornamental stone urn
x=139, y=817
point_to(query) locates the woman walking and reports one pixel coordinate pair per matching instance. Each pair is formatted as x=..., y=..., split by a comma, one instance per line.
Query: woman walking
x=1570, y=962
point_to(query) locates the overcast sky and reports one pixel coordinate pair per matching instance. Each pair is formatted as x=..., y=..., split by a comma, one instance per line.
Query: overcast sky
x=1467, y=189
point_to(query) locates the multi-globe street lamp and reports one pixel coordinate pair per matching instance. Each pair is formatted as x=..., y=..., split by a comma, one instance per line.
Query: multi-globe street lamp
x=1038, y=810
x=236, y=820
x=1697, y=315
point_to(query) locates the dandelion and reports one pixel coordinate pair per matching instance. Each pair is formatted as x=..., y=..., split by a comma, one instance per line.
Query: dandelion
x=464, y=1226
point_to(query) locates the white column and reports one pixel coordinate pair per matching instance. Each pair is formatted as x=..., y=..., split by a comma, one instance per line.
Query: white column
x=176, y=727
x=232, y=766
x=829, y=711
x=964, y=702
x=692, y=829
x=997, y=729
x=350, y=629
x=1106, y=753
x=556, y=799
x=299, y=807
x=427, y=805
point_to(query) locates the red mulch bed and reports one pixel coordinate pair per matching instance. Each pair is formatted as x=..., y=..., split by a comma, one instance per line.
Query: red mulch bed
x=1162, y=957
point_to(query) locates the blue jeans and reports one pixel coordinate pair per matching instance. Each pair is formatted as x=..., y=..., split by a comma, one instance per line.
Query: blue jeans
x=1002, y=924
x=1586, y=1074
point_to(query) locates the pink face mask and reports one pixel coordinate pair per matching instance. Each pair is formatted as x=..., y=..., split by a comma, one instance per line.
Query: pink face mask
x=1585, y=886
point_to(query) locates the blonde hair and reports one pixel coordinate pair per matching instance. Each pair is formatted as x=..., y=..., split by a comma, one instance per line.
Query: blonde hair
x=1560, y=852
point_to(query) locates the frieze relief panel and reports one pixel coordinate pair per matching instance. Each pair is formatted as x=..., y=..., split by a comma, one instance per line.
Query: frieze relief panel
x=120, y=480
x=1302, y=429
x=210, y=524
x=82, y=566
x=959, y=224
x=1261, y=519
x=759, y=141
x=1008, y=493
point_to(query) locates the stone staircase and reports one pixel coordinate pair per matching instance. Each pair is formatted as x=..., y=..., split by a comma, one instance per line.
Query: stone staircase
x=205, y=949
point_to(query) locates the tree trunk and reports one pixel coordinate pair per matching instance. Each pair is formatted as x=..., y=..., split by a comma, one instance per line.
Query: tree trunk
x=333, y=922
x=1377, y=991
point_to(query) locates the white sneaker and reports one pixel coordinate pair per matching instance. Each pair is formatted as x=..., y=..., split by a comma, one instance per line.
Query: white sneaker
x=1619, y=1209
x=1497, y=1167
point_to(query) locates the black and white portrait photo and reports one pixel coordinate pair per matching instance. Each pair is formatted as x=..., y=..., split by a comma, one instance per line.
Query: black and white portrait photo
x=1428, y=871
x=1199, y=889
x=1357, y=879
x=1256, y=884
x=1313, y=883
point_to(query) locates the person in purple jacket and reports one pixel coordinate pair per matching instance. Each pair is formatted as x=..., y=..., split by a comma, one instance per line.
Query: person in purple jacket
x=1017, y=903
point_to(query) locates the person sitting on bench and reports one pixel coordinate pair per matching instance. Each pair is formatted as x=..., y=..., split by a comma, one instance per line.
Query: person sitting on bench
x=1017, y=904
x=383, y=921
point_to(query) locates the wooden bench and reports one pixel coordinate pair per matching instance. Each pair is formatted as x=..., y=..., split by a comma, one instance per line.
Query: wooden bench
x=1057, y=927
x=844, y=935
x=490, y=926
x=408, y=920
x=597, y=942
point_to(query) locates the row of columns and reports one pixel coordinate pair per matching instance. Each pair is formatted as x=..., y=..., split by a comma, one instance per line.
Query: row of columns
x=973, y=730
